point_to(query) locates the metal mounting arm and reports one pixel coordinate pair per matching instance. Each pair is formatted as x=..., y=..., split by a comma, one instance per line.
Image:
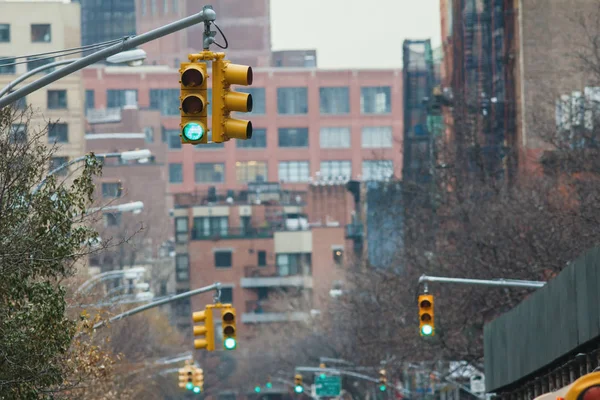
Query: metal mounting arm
x=485, y=282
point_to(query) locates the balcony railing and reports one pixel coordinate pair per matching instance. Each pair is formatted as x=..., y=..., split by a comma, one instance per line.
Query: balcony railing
x=103, y=115
x=242, y=197
x=354, y=231
x=263, y=312
x=232, y=233
x=255, y=277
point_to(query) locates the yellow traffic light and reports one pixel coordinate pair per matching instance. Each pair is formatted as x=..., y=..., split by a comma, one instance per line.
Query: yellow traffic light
x=193, y=103
x=198, y=379
x=205, y=331
x=382, y=380
x=426, y=320
x=298, y=388
x=585, y=388
x=183, y=377
x=229, y=329
x=225, y=101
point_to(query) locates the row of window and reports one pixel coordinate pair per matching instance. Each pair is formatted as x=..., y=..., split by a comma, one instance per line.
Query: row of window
x=372, y=137
x=288, y=171
x=57, y=133
x=167, y=5
x=290, y=100
x=40, y=33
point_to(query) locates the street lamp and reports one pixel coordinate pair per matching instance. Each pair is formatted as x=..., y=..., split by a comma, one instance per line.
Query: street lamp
x=131, y=273
x=125, y=156
x=131, y=57
x=133, y=207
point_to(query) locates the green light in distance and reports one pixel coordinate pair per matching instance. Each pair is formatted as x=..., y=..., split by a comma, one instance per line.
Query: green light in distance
x=323, y=376
x=427, y=330
x=193, y=131
x=197, y=389
x=189, y=386
x=269, y=385
x=257, y=389
x=299, y=389
x=382, y=388
x=230, y=343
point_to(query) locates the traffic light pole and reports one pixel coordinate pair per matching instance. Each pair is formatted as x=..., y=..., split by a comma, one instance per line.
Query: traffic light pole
x=206, y=15
x=215, y=286
x=483, y=282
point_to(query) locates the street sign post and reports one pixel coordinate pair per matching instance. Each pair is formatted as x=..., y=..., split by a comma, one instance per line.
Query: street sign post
x=328, y=386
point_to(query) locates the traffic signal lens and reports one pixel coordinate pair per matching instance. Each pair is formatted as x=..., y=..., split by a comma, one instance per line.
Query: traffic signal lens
x=592, y=393
x=193, y=131
x=192, y=105
x=230, y=343
x=427, y=330
x=382, y=388
x=189, y=386
x=228, y=330
x=425, y=304
x=257, y=389
x=196, y=389
x=426, y=317
x=228, y=317
x=191, y=78
x=269, y=385
x=299, y=389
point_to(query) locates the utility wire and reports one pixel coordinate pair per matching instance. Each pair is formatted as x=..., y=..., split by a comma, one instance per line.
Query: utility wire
x=57, y=53
x=224, y=38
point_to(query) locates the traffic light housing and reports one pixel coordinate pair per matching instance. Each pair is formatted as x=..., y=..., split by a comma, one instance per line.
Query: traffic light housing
x=198, y=379
x=225, y=101
x=193, y=103
x=298, y=388
x=426, y=318
x=382, y=380
x=206, y=331
x=585, y=388
x=228, y=326
x=269, y=385
x=184, y=378
x=322, y=366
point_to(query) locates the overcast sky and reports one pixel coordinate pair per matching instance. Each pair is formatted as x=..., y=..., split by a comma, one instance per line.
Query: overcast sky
x=353, y=33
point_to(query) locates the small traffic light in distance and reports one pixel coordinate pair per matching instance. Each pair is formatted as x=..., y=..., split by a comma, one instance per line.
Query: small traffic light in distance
x=298, y=388
x=206, y=332
x=269, y=385
x=226, y=101
x=322, y=366
x=182, y=378
x=189, y=385
x=228, y=325
x=193, y=103
x=382, y=380
x=257, y=388
x=198, y=379
x=426, y=320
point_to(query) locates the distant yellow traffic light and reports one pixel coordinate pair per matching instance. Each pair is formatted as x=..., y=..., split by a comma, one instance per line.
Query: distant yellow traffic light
x=225, y=101
x=186, y=379
x=198, y=378
x=193, y=103
x=205, y=331
x=382, y=380
x=298, y=388
x=229, y=327
x=426, y=317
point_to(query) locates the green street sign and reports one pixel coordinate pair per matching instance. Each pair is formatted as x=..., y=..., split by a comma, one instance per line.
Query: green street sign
x=329, y=386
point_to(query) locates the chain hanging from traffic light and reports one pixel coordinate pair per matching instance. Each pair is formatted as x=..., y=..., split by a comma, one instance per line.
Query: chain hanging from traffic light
x=426, y=319
x=298, y=388
x=382, y=380
x=194, y=102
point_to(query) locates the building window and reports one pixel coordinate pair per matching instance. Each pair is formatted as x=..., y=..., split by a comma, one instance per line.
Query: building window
x=153, y=8
x=57, y=99
x=36, y=62
x=377, y=170
x=262, y=258
x=112, y=219
x=144, y=7
x=181, y=229
x=334, y=100
x=227, y=295
x=293, y=137
x=375, y=100
x=210, y=226
x=294, y=264
x=149, y=134
x=119, y=98
x=209, y=172
x=175, y=6
x=294, y=171
x=223, y=259
x=165, y=7
x=18, y=133
x=331, y=170
x=4, y=33
x=7, y=66
x=112, y=189
x=58, y=133
x=251, y=171
x=338, y=256
x=175, y=173
x=40, y=33
x=292, y=100
x=19, y=104
x=258, y=99
x=182, y=268
x=210, y=146
x=376, y=137
x=334, y=137
x=258, y=141
x=56, y=162
x=173, y=138
x=165, y=100
x=90, y=99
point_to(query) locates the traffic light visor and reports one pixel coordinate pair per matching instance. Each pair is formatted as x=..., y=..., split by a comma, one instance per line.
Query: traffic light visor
x=192, y=77
x=425, y=303
x=237, y=74
x=591, y=393
x=230, y=343
x=299, y=389
x=238, y=128
x=426, y=317
x=193, y=131
x=192, y=104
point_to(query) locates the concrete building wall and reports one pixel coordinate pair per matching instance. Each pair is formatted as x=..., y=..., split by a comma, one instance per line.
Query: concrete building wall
x=64, y=21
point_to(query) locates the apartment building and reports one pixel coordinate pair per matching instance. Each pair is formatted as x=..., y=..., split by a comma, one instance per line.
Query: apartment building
x=33, y=27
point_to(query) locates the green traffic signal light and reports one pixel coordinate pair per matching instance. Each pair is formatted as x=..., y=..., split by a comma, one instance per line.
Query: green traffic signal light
x=427, y=330
x=269, y=385
x=382, y=388
x=230, y=343
x=189, y=386
x=197, y=389
x=299, y=389
x=257, y=389
x=193, y=131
